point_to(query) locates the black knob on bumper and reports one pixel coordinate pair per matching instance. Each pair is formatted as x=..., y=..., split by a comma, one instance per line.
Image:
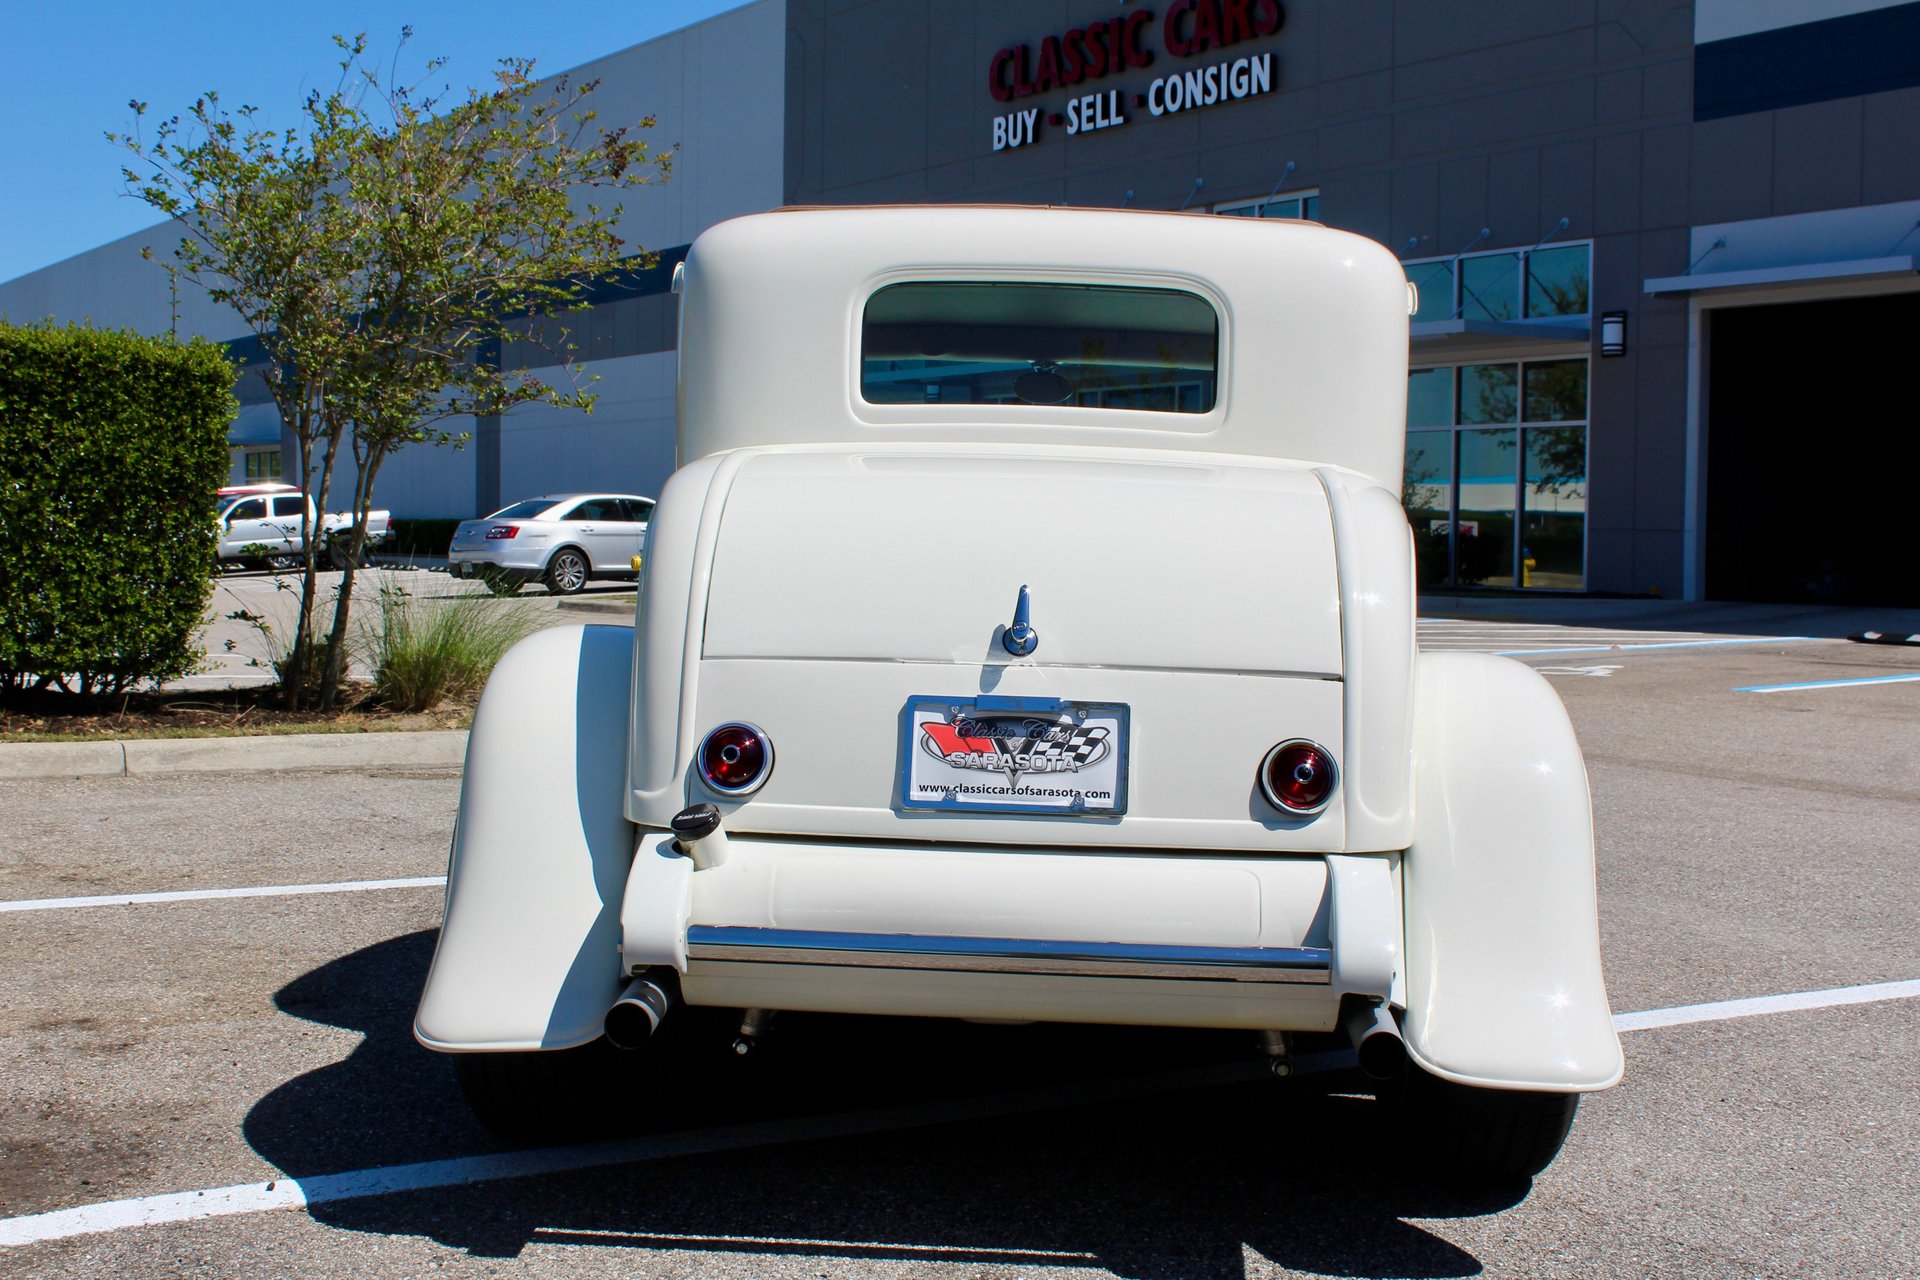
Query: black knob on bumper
x=696, y=822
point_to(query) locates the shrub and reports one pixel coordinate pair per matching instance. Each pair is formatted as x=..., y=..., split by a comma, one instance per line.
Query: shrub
x=425, y=651
x=419, y=537
x=111, y=447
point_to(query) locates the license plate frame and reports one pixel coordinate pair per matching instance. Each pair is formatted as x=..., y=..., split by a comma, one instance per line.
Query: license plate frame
x=1036, y=757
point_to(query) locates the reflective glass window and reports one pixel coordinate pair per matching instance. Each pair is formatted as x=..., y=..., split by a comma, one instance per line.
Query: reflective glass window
x=1554, y=538
x=1430, y=398
x=1490, y=286
x=1305, y=204
x=289, y=504
x=1434, y=280
x=1557, y=281
x=248, y=509
x=523, y=510
x=1487, y=393
x=1094, y=346
x=1556, y=391
x=596, y=509
x=1484, y=551
x=1427, y=493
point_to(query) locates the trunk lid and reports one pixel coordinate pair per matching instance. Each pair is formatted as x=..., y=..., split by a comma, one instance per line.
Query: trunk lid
x=1191, y=607
x=918, y=557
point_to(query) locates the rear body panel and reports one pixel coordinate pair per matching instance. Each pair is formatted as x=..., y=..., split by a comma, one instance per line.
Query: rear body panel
x=828, y=588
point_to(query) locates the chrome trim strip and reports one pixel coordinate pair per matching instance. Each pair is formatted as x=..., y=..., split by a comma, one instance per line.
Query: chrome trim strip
x=744, y=943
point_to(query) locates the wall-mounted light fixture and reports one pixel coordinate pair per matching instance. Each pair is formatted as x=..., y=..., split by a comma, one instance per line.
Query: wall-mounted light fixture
x=1613, y=333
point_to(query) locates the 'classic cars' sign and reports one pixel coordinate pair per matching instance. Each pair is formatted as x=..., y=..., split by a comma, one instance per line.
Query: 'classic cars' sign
x=1082, y=55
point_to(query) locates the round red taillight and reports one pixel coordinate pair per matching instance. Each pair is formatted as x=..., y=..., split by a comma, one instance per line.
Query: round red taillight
x=1297, y=777
x=736, y=759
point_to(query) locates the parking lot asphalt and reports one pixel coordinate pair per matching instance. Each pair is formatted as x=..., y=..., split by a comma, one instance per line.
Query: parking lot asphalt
x=1751, y=844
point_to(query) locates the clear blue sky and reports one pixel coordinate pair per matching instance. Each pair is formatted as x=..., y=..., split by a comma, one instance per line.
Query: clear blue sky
x=68, y=69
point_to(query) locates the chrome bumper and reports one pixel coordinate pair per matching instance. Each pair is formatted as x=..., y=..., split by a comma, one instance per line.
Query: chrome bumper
x=1293, y=965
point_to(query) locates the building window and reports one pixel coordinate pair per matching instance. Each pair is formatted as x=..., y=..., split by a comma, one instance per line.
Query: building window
x=263, y=464
x=1544, y=283
x=1288, y=204
x=1496, y=474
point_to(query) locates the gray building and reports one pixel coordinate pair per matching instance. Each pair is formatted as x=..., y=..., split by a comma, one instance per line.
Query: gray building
x=1665, y=252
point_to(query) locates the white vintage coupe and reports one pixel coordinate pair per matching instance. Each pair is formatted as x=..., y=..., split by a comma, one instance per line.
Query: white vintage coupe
x=1028, y=634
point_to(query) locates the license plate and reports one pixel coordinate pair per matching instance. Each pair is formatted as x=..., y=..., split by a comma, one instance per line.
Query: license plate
x=1015, y=755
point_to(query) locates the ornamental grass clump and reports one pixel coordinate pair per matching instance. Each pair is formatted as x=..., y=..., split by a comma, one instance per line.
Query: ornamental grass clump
x=425, y=652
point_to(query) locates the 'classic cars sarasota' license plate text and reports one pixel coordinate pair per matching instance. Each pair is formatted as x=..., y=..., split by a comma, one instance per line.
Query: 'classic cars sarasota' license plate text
x=1022, y=756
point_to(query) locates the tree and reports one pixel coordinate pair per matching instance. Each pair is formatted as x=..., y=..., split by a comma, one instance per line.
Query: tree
x=382, y=252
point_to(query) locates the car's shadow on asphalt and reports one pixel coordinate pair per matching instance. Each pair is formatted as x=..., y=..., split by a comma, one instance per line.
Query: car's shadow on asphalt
x=1177, y=1184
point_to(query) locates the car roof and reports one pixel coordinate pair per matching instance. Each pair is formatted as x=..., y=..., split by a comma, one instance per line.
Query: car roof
x=237, y=490
x=567, y=497
x=1310, y=352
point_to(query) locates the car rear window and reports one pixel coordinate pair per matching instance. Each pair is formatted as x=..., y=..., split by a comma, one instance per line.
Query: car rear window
x=522, y=510
x=288, y=506
x=1024, y=343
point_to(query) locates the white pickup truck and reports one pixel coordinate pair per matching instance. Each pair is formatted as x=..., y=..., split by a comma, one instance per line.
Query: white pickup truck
x=265, y=524
x=1061, y=554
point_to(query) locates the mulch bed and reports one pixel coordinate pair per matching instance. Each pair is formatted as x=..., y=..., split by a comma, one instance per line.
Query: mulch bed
x=31, y=717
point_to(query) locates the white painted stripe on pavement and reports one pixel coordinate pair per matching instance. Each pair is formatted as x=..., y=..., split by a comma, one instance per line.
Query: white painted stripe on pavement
x=1825, y=684
x=894, y=1251
x=201, y=895
x=287, y=1193
x=1724, y=1010
x=1672, y=644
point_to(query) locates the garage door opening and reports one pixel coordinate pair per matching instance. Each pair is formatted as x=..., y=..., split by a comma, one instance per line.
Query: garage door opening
x=1813, y=452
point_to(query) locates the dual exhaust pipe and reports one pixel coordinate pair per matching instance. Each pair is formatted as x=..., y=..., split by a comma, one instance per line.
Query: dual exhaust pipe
x=650, y=997
x=642, y=1007
x=1377, y=1045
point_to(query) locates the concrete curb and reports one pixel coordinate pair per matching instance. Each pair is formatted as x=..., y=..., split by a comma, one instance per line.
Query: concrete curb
x=621, y=605
x=433, y=749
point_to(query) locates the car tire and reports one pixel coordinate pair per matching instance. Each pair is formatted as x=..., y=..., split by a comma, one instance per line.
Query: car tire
x=567, y=572
x=552, y=1095
x=285, y=563
x=1491, y=1136
x=337, y=554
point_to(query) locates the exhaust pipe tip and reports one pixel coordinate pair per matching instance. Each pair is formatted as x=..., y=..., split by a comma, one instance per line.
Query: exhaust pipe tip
x=1377, y=1045
x=640, y=1010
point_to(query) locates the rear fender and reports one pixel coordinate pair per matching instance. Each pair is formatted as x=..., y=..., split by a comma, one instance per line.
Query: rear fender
x=528, y=956
x=1504, y=988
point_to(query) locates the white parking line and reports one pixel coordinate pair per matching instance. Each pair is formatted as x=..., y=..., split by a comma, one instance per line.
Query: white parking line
x=894, y=1252
x=201, y=895
x=1724, y=1010
x=1826, y=684
x=1664, y=644
x=286, y=1193
x=429, y=1175
x=1527, y=639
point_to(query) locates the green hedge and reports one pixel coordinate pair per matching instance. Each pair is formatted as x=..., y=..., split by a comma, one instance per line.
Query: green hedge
x=111, y=447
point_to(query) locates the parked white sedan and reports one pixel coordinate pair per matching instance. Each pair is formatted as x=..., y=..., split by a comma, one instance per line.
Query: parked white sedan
x=562, y=539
